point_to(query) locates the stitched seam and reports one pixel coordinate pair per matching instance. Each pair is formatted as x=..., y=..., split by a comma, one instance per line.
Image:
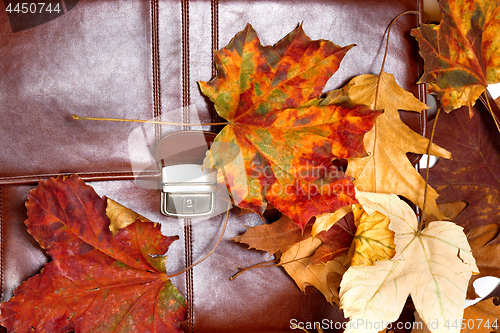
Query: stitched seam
x=215, y=46
x=155, y=44
x=188, y=232
x=186, y=97
x=188, y=236
x=48, y=175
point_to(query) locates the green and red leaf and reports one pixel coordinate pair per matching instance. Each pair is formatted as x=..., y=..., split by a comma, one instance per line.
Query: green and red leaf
x=279, y=144
x=461, y=54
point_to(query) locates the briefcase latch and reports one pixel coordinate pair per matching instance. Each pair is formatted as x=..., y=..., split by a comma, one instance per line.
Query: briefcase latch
x=188, y=190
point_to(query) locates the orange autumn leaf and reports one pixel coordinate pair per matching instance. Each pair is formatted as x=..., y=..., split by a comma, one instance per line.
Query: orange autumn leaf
x=279, y=143
x=460, y=54
x=95, y=281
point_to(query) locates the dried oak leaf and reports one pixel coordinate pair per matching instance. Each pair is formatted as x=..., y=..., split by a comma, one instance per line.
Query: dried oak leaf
x=279, y=143
x=96, y=282
x=433, y=266
x=461, y=54
x=373, y=239
x=483, y=317
x=387, y=169
x=473, y=174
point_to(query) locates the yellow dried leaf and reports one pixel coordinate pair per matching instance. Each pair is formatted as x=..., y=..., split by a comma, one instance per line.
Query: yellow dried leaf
x=325, y=277
x=374, y=241
x=325, y=221
x=120, y=216
x=483, y=317
x=387, y=169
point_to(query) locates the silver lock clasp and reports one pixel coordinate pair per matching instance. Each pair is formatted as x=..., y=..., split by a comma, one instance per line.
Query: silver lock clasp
x=188, y=190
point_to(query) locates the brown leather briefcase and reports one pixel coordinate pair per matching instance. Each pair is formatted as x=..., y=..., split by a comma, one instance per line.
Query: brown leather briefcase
x=140, y=59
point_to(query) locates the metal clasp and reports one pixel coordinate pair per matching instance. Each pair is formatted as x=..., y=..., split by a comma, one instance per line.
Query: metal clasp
x=188, y=190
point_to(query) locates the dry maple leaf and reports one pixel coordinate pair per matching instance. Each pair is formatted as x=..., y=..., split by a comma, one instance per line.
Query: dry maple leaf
x=373, y=239
x=275, y=237
x=461, y=54
x=96, y=282
x=487, y=255
x=482, y=317
x=387, y=169
x=279, y=143
x=320, y=261
x=473, y=174
x=433, y=266
x=317, y=261
x=325, y=277
x=279, y=236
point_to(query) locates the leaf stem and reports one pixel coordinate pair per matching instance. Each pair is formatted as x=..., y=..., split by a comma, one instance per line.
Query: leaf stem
x=428, y=164
x=145, y=121
x=272, y=263
x=386, y=51
x=209, y=253
x=486, y=102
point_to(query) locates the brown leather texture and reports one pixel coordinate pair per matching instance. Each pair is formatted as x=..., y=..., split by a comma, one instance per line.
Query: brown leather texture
x=141, y=60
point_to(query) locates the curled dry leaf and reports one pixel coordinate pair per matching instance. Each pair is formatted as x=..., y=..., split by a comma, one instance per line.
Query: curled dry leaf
x=387, y=169
x=483, y=317
x=461, y=54
x=433, y=266
x=373, y=239
x=95, y=281
x=325, y=221
x=120, y=216
x=325, y=277
x=279, y=142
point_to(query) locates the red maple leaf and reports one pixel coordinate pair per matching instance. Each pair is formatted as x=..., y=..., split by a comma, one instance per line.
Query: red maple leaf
x=96, y=282
x=279, y=143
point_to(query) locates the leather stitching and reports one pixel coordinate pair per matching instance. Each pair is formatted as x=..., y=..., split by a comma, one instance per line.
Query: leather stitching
x=215, y=46
x=155, y=43
x=186, y=99
x=100, y=175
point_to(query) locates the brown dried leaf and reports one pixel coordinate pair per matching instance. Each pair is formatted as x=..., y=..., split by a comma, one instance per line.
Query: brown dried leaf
x=473, y=174
x=274, y=237
x=487, y=256
x=484, y=315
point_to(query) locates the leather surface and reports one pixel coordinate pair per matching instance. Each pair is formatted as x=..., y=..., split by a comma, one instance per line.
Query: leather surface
x=97, y=60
